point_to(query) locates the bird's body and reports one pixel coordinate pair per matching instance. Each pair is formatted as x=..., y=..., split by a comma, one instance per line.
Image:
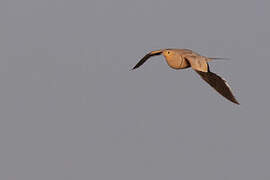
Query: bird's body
x=185, y=58
x=175, y=60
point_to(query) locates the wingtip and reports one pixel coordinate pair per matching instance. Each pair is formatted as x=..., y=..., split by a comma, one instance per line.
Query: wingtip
x=236, y=102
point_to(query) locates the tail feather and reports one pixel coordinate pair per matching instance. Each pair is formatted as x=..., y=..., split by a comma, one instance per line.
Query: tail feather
x=218, y=58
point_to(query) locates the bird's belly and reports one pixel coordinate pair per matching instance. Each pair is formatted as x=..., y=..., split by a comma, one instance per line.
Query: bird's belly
x=177, y=63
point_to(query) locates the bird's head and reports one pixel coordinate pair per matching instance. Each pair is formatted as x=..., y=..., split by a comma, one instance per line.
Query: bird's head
x=167, y=52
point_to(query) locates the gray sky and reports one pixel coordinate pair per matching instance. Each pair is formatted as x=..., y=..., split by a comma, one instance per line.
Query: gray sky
x=71, y=109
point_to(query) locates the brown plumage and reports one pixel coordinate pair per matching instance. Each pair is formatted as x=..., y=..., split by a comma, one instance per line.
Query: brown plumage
x=185, y=58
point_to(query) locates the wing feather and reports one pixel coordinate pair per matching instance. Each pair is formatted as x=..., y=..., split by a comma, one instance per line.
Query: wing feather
x=146, y=57
x=219, y=84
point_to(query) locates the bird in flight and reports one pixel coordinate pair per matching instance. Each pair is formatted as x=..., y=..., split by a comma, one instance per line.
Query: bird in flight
x=185, y=58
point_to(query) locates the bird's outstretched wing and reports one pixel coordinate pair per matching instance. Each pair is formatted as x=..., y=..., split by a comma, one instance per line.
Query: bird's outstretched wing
x=200, y=65
x=147, y=56
x=219, y=84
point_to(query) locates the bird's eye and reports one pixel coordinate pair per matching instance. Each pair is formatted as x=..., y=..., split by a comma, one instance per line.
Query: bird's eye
x=168, y=52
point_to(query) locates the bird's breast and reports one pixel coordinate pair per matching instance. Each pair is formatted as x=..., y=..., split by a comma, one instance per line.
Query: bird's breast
x=177, y=62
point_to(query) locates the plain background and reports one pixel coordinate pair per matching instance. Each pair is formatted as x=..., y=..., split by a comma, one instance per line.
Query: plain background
x=71, y=109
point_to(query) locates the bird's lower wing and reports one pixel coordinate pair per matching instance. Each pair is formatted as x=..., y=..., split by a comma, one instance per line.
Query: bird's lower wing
x=219, y=84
